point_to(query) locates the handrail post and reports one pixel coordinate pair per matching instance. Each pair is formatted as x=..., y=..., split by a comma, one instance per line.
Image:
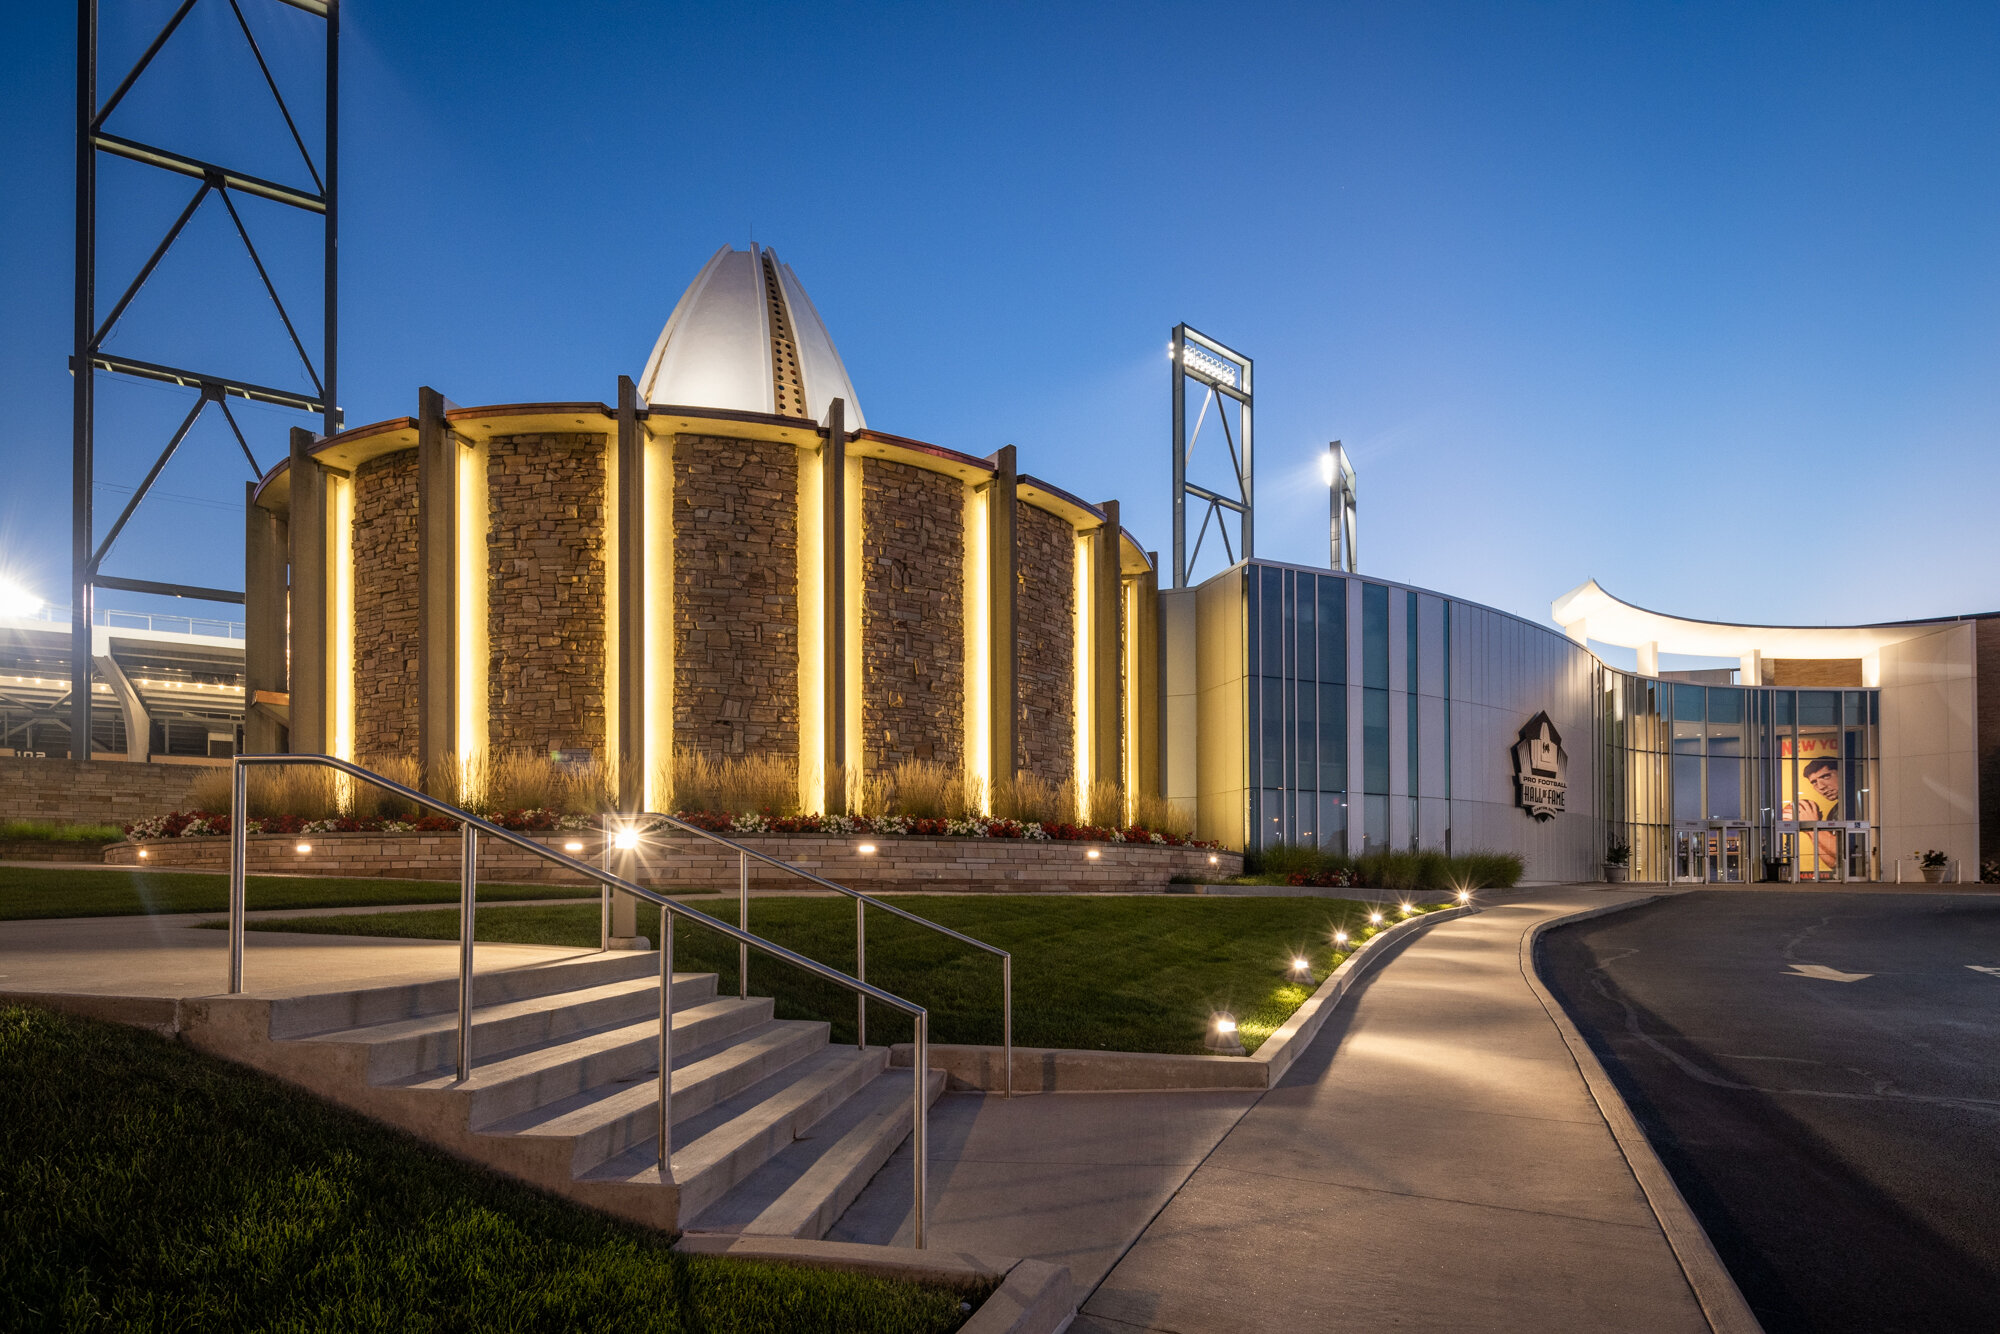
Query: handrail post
x=666, y=1043
x=1007, y=1020
x=239, y=851
x=860, y=974
x=468, y=898
x=743, y=924
x=921, y=1124
x=604, y=890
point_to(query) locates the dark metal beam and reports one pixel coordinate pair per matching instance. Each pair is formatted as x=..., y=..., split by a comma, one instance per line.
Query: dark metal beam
x=255, y=393
x=168, y=160
x=167, y=590
x=180, y=434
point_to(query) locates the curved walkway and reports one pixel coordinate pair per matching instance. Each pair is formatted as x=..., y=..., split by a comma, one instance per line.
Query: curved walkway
x=1449, y=1171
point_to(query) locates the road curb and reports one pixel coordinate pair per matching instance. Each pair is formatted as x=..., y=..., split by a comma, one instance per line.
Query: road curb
x=1027, y=1296
x=1722, y=1302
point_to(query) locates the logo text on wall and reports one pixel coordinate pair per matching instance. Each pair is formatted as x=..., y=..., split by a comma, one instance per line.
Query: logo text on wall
x=1541, y=769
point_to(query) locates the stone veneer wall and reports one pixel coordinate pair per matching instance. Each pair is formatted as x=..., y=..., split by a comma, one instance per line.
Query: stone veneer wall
x=912, y=615
x=1045, y=607
x=546, y=592
x=736, y=596
x=1824, y=673
x=385, y=606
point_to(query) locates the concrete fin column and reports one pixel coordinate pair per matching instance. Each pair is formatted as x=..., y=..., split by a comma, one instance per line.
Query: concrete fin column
x=437, y=582
x=1147, y=654
x=1003, y=638
x=1649, y=659
x=1107, y=686
x=631, y=608
x=264, y=595
x=833, y=580
x=310, y=533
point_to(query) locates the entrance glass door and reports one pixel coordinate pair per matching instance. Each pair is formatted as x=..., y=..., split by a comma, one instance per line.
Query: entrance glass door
x=1690, y=854
x=1726, y=865
x=1859, y=863
x=1820, y=848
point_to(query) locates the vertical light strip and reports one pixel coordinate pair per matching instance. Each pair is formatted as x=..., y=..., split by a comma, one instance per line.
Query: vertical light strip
x=659, y=622
x=607, y=506
x=978, y=649
x=340, y=671
x=857, y=751
x=812, y=633
x=1128, y=725
x=1085, y=662
x=470, y=534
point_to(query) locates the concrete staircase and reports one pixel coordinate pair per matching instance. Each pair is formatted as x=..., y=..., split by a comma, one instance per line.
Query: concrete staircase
x=775, y=1131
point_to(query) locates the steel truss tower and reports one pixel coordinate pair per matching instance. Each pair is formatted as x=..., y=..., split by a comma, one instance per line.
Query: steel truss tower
x=1224, y=376
x=212, y=182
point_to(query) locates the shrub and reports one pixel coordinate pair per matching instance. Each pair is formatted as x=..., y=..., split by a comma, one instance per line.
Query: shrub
x=1031, y=800
x=1154, y=812
x=736, y=784
x=1285, y=858
x=926, y=790
x=57, y=831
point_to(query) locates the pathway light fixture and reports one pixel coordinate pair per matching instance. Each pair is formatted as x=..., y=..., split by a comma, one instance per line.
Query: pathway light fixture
x=1222, y=1038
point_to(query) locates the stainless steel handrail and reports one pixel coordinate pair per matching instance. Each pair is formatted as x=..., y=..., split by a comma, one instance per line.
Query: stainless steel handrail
x=472, y=827
x=744, y=852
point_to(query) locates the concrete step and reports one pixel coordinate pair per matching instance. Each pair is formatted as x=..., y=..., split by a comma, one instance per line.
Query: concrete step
x=806, y=1187
x=603, y=1121
x=399, y=1049
x=715, y=1149
x=539, y=1077
x=332, y=1011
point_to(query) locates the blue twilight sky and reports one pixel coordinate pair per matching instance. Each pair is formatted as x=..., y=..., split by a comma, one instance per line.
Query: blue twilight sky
x=1702, y=300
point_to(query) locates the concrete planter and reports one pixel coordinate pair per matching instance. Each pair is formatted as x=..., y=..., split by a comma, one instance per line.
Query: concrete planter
x=1933, y=875
x=1615, y=873
x=682, y=863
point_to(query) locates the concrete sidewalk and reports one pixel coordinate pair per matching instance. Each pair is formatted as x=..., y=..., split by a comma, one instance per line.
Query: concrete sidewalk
x=175, y=956
x=1434, y=1162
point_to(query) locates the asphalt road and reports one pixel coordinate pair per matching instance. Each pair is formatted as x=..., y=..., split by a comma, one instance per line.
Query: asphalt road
x=1837, y=1134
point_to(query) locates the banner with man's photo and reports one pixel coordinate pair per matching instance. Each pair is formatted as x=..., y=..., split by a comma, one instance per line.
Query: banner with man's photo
x=1809, y=783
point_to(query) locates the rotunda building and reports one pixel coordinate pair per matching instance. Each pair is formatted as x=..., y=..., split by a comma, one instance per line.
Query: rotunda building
x=727, y=561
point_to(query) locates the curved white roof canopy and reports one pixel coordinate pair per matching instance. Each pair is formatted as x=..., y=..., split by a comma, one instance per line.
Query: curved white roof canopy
x=745, y=337
x=1587, y=611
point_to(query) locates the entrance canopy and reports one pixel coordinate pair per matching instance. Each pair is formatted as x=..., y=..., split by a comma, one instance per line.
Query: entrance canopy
x=1588, y=612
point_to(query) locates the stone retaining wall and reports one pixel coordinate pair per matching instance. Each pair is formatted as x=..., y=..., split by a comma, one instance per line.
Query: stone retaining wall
x=99, y=792
x=999, y=865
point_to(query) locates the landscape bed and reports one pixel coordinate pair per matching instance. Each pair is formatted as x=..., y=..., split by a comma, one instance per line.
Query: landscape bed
x=146, y=1185
x=28, y=892
x=1141, y=974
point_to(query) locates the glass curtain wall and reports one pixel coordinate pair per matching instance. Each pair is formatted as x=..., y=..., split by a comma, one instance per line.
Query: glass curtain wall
x=1298, y=704
x=1786, y=765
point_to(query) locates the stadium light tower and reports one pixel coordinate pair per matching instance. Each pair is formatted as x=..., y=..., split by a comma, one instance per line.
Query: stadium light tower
x=1339, y=475
x=1224, y=377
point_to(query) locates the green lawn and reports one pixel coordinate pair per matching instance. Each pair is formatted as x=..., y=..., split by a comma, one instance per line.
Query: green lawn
x=144, y=1185
x=1115, y=974
x=89, y=892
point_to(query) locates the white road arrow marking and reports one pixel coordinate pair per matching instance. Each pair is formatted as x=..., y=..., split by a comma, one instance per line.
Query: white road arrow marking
x=1984, y=968
x=1826, y=974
